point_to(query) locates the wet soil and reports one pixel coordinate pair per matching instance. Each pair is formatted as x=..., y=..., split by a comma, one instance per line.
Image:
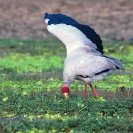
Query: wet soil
x=109, y=94
x=119, y=94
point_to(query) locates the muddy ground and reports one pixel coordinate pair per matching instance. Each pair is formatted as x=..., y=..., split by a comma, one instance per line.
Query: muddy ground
x=112, y=19
x=107, y=94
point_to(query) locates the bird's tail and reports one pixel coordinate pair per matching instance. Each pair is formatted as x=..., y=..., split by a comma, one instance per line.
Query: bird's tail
x=117, y=63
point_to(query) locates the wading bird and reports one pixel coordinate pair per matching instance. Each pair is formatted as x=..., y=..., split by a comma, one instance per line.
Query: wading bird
x=85, y=60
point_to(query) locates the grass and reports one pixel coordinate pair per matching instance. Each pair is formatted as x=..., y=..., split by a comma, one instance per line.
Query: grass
x=31, y=68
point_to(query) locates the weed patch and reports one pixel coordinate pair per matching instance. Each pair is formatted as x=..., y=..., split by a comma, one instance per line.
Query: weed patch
x=30, y=69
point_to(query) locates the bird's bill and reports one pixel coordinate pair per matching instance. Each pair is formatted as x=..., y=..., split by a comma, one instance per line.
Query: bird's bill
x=66, y=95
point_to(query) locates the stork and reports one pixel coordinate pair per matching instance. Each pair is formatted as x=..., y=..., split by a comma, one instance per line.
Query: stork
x=85, y=60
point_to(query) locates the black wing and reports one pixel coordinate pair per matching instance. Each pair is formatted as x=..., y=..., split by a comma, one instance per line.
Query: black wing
x=92, y=35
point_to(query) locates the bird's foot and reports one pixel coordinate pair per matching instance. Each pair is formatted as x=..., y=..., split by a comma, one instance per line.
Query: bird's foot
x=99, y=98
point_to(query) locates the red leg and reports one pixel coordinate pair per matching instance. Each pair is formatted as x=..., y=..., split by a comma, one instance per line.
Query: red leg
x=85, y=91
x=94, y=91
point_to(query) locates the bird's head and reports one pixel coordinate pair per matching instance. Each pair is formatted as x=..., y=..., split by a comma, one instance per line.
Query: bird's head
x=65, y=91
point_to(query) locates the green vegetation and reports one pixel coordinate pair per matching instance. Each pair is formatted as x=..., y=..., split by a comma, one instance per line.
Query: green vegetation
x=30, y=69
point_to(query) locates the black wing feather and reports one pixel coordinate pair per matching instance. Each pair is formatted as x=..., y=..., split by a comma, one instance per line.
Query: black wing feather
x=59, y=18
x=86, y=30
x=92, y=35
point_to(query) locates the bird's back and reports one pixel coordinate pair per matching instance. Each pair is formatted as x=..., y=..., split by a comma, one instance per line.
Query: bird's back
x=90, y=65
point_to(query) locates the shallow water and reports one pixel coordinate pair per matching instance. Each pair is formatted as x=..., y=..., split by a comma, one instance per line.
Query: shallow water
x=120, y=94
x=108, y=94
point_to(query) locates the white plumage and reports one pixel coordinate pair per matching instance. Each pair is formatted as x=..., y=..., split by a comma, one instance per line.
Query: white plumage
x=85, y=60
